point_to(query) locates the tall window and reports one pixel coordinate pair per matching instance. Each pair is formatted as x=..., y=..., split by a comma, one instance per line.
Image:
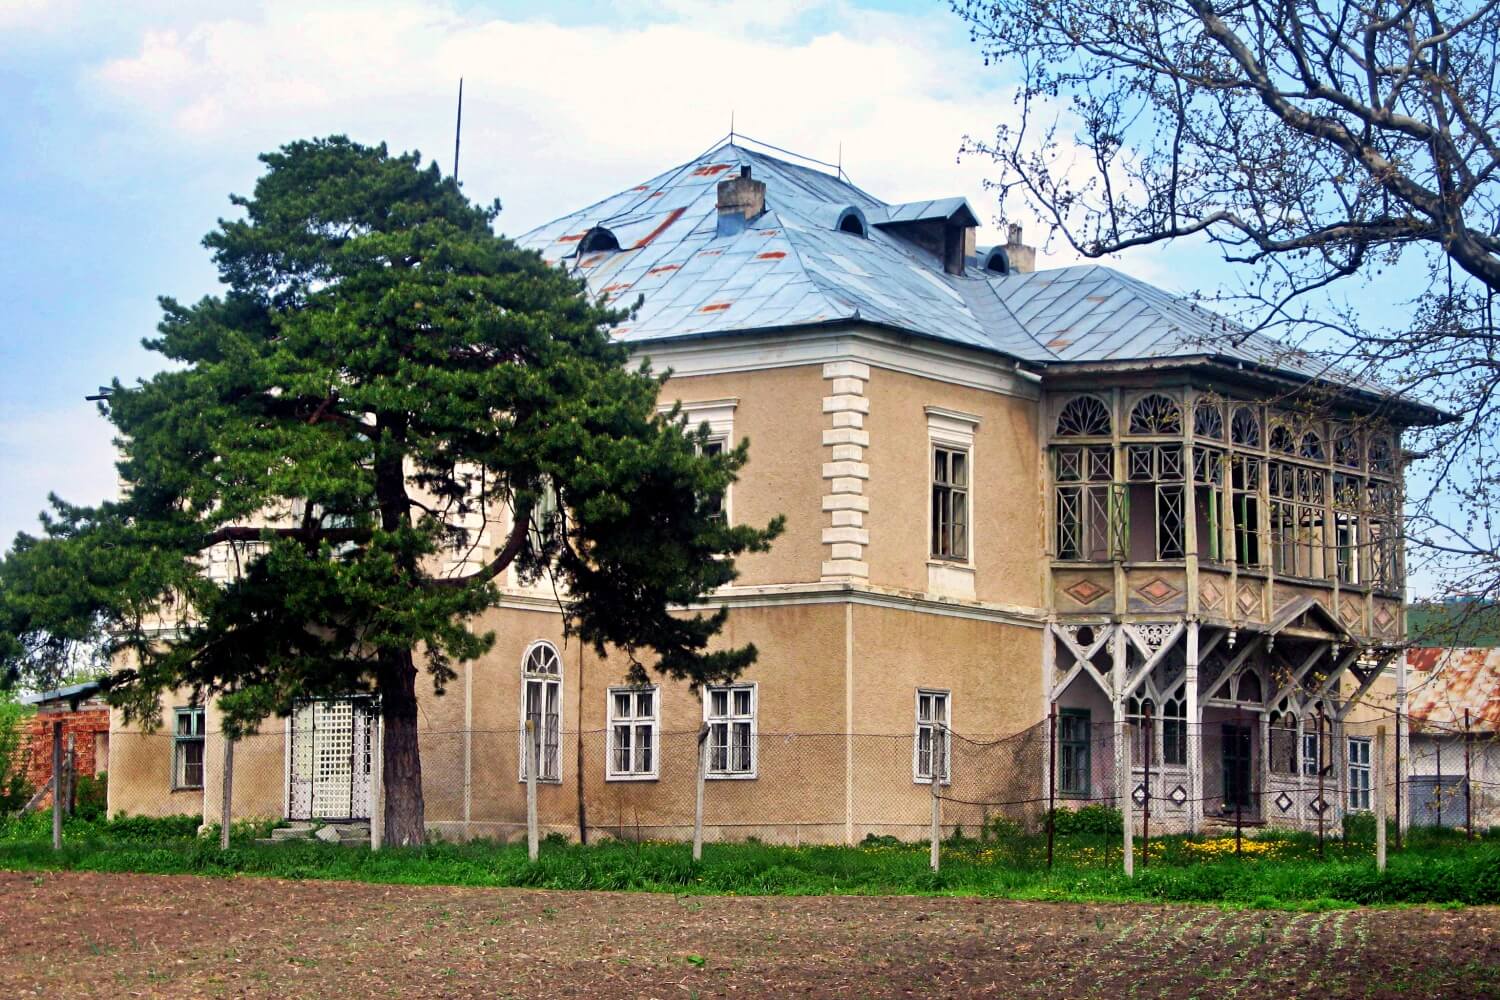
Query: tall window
x=1244, y=487
x=933, y=742
x=633, y=731
x=1208, y=479
x=1385, y=540
x=1142, y=740
x=1156, y=491
x=1283, y=733
x=1297, y=520
x=1073, y=736
x=1346, y=528
x=950, y=503
x=541, y=705
x=715, y=503
x=1359, y=772
x=1312, y=753
x=1174, y=732
x=730, y=711
x=1084, y=475
x=187, y=748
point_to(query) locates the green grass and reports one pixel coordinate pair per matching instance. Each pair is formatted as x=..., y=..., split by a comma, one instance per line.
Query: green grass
x=1283, y=872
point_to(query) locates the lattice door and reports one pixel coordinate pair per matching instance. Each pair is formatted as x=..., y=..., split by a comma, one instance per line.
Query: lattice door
x=332, y=742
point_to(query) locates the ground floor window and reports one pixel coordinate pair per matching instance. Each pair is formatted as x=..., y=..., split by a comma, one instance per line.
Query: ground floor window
x=187, y=748
x=633, y=730
x=1359, y=772
x=730, y=714
x=541, y=705
x=1073, y=738
x=932, y=736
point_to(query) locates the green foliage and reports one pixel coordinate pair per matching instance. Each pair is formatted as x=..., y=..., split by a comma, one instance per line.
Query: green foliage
x=15, y=791
x=1451, y=873
x=1001, y=828
x=1093, y=819
x=91, y=796
x=1359, y=828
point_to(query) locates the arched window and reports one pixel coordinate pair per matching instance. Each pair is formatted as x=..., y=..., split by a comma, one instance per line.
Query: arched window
x=1174, y=732
x=598, y=239
x=1283, y=441
x=1208, y=420
x=1084, y=416
x=1156, y=414
x=1311, y=446
x=1244, y=428
x=1283, y=733
x=541, y=705
x=1249, y=688
x=1346, y=448
x=1381, y=458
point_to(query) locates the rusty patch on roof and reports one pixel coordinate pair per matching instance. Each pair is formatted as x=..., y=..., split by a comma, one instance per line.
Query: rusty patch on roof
x=639, y=187
x=770, y=232
x=1057, y=342
x=591, y=260
x=664, y=269
x=617, y=286
x=1447, y=681
x=709, y=253
x=771, y=255
x=715, y=307
x=573, y=238
x=672, y=217
x=711, y=169
x=1096, y=298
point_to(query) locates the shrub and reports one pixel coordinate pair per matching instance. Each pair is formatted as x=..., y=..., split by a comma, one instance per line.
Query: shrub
x=15, y=791
x=91, y=796
x=1093, y=820
x=1002, y=828
x=1359, y=828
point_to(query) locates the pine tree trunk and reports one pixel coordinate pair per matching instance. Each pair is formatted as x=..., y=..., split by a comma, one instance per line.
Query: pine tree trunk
x=404, y=811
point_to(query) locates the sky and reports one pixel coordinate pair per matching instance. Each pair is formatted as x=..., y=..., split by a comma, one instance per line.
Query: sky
x=128, y=125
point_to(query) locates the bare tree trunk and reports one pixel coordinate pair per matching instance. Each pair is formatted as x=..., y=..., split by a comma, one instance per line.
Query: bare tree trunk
x=401, y=761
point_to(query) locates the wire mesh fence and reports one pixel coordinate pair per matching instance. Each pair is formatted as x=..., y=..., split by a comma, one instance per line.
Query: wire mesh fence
x=1067, y=790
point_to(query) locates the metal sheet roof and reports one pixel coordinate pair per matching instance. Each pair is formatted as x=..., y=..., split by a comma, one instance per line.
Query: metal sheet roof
x=793, y=267
x=1444, y=681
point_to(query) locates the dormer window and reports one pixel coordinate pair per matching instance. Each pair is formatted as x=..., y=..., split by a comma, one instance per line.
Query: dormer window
x=851, y=221
x=597, y=240
x=996, y=261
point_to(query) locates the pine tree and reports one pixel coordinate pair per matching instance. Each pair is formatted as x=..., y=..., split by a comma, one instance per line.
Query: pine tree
x=381, y=376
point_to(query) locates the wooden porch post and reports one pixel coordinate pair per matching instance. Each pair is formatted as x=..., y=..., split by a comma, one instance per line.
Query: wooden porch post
x=1194, y=733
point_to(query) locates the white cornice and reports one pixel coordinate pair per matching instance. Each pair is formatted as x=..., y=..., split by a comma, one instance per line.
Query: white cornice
x=833, y=593
x=814, y=346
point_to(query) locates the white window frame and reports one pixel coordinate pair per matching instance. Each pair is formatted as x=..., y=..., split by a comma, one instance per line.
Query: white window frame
x=728, y=720
x=1309, y=754
x=954, y=431
x=180, y=741
x=1360, y=792
x=542, y=681
x=946, y=727
x=719, y=415
x=635, y=722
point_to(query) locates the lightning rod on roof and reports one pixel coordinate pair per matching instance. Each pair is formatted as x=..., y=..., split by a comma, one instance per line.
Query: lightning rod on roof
x=458, y=128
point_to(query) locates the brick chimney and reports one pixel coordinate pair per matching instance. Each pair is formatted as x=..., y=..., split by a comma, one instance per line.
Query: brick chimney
x=1022, y=258
x=741, y=199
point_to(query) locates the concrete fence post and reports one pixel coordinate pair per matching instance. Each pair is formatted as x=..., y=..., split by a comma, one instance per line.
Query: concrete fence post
x=531, y=790
x=377, y=788
x=57, y=808
x=698, y=792
x=1380, y=798
x=935, y=765
x=1127, y=804
x=226, y=810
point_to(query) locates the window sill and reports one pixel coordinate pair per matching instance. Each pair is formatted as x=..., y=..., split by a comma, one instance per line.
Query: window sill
x=632, y=777
x=927, y=782
x=541, y=781
x=726, y=776
x=187, y=788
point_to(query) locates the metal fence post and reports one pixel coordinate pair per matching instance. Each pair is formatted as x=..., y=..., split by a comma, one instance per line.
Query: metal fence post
x=70, y=772
x=703, y=732
x=57, y=815
x=1380, y=794
x=1437, y=795
x=1239, y=793
x=225, y=810
x=1468, y=786
x=935, y=765
x=532, y=844
x=1051, y=780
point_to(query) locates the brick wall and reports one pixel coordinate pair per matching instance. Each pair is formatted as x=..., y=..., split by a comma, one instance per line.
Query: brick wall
x=89, y=727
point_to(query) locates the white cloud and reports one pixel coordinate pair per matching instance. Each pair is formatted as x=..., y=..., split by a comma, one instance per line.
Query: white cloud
x=555, y=117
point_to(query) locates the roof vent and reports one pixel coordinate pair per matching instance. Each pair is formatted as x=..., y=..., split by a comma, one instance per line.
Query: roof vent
x=852, y=220
x=598, y=239
x=741, y=199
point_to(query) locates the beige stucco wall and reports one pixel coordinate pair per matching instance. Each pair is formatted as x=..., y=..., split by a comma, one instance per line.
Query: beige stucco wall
x=780, y=411
x=140, y=771
x=1006, y=509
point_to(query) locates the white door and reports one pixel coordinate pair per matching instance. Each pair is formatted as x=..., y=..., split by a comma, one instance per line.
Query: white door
x=332, y=742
